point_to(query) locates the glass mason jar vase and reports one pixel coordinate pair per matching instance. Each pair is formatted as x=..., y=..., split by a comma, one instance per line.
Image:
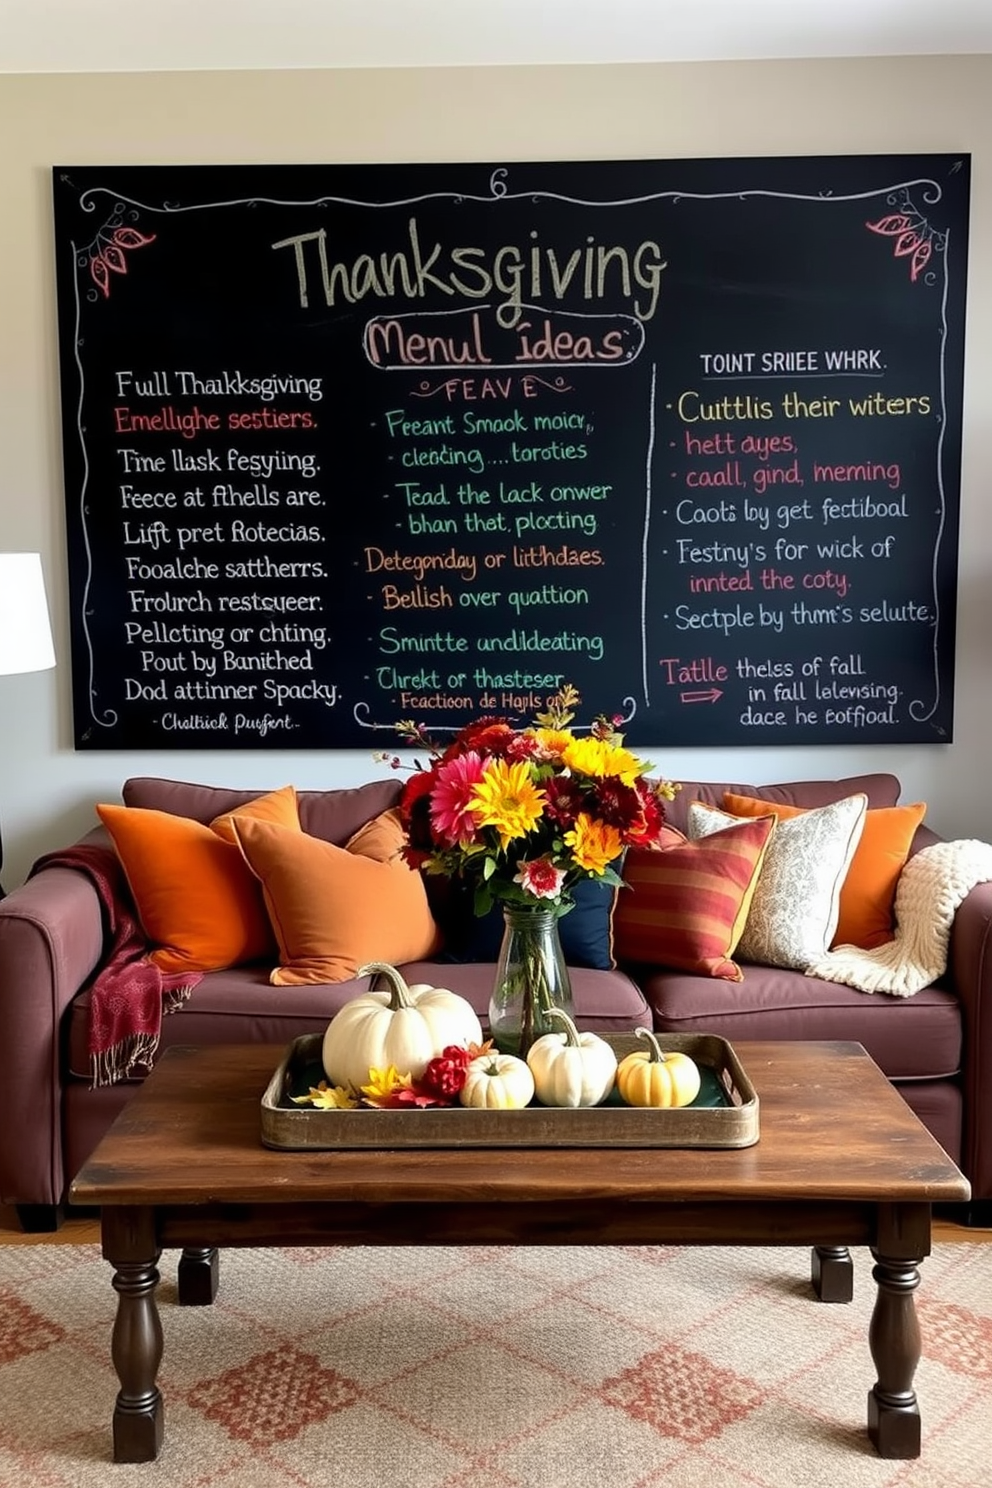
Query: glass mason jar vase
x=531, y=977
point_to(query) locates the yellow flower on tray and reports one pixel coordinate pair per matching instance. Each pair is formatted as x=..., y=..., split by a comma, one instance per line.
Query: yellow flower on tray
x=327, y=1098
x=384, y=1083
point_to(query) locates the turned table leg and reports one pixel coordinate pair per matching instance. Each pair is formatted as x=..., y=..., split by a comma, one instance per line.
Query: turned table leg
x=131, y=1246
x=832, y=1272
x=198, y=1276
x=894, y=1340
x=136, y=1349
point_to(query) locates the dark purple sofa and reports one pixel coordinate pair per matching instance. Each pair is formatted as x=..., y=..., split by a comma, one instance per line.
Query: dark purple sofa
x=936, y=1046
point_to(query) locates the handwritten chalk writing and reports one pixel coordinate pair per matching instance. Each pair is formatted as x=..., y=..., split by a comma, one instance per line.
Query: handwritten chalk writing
x=236, y=385
x=742, y=555
x=798, y=512
x=842, y=511
x=132, y=500
x=188, y=463
x=859, y=360
x=552, y=451
x=745, y=667
x=268, y=723
x=446, y=455
x=730, y=475
x=595, y=270
x=550, y=594
x=168, y=420
x=697, y=669
x=268, y=604
x=777, y=475
x=723, y=620
x=541, y=556
x=692, y=409
x=719, y=583
x=863, y=472
x=443, y=410
x=135, y=462
x=420, y=597
x=193, y=723
x=270, y=418
x=793, y=406
x=878, y=405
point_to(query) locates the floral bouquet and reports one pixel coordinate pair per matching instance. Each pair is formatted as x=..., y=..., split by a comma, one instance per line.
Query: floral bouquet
x=523, y=815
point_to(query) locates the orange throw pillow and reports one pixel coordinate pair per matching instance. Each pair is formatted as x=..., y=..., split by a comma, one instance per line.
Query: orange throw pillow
x=867, y=895
x=198, y=904
x=335, y=908
x=277, y=806
x=685, y=906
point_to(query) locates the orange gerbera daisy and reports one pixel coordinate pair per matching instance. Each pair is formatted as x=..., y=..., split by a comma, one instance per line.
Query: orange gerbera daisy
x=594, y=844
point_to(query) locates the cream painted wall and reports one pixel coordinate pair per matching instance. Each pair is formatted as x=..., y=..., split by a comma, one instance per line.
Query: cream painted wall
x=776, y=108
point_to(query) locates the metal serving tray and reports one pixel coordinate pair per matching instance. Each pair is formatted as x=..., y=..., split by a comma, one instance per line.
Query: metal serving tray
x=724, y=1114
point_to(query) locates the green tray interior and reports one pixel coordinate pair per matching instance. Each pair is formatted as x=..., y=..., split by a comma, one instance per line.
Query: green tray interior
x=309, y=1074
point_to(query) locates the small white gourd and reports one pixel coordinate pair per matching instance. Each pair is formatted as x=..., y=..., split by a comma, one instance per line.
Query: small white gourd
x=571, y=1068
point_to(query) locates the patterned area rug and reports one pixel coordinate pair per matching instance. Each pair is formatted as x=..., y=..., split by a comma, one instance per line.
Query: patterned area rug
x=508, y=1368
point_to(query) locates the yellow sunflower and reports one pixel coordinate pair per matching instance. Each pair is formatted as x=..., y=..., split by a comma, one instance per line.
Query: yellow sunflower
x=507, y=798
x=602, y=760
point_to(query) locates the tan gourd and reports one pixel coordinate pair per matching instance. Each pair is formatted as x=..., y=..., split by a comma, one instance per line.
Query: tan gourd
x=649, y=1077
x=405, y=1027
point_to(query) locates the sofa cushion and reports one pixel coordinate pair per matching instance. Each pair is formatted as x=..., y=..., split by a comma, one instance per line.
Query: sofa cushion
x=237, y=1006
x=687, y=905
x=881, y=790
x=908, y=1037
x=197, y=901
x=796, y=902
x=277, y=806
x=867, y=895
x=333, y=815
x=334, y=908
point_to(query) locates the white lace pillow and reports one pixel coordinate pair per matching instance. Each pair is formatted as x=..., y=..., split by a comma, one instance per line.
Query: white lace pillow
x=796, y=902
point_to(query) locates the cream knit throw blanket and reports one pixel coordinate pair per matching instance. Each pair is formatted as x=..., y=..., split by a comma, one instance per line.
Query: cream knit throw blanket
x=931, y=886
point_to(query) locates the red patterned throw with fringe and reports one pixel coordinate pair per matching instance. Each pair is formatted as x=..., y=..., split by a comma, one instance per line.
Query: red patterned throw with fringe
x=129, y=994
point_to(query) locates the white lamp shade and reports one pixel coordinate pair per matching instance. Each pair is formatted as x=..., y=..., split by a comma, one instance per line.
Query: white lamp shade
x=25, y=632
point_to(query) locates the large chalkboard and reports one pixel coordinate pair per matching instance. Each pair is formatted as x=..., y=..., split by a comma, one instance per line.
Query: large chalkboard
x=350, y=444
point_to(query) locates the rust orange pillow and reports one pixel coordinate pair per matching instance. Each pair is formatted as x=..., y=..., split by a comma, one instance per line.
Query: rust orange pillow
x=867, y=895
x=334, y=908
x=277, y=806
x=198, y=903
x=685, y=906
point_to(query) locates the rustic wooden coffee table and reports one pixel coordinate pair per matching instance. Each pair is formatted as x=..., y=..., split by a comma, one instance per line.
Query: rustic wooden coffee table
x=841, y=1161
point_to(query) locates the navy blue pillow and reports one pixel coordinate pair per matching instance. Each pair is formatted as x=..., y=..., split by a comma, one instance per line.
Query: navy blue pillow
x=586, y=931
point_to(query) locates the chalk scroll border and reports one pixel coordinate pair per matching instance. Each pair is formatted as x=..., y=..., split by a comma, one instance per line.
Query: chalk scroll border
x=895, y=194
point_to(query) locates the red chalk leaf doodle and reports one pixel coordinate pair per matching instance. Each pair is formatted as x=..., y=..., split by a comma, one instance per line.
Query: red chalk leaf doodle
x=889, y=226
x=114, y=258
x=130, y=237
x=919, y=261
x=914, y=237
x=108, y=254
x=100, y=273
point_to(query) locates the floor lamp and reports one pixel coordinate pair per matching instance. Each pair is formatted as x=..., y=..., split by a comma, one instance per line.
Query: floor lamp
x=25, y=631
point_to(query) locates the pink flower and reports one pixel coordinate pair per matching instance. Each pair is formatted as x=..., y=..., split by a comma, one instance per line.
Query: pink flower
x=454, y=783
x=539, y=877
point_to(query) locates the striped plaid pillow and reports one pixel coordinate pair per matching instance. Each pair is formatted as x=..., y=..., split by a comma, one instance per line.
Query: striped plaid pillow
x=685, y=906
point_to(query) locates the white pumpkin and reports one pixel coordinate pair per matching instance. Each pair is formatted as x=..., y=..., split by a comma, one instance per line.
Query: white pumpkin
x=497, y=1082
x=571, y=1068
x=405, y=1027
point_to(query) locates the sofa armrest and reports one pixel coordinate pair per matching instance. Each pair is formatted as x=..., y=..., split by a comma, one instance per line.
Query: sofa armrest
x=970, y=973
x=51, y=941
